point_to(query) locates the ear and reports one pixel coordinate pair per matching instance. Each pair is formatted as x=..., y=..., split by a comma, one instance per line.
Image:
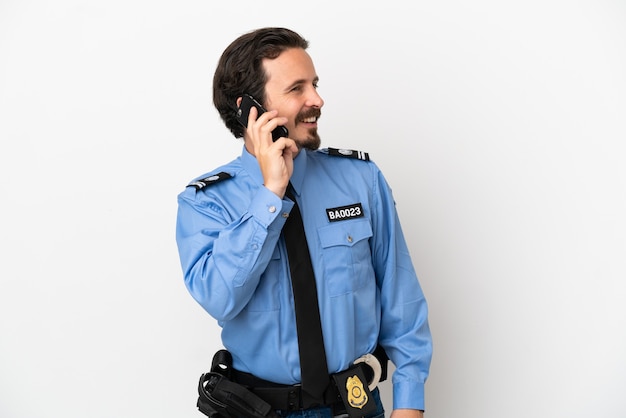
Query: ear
x=239, y=99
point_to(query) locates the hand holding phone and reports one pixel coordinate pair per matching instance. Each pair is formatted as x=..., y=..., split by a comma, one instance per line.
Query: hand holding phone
x=247, y=102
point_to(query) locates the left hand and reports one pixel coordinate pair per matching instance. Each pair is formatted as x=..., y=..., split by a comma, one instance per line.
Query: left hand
x=407, y=413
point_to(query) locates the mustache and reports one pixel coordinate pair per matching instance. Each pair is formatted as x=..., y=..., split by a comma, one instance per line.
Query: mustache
x=317, y=113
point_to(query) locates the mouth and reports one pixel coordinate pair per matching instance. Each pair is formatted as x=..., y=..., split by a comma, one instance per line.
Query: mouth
x=312, y=119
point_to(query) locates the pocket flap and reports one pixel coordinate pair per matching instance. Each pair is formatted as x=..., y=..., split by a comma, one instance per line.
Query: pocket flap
x=344, y=233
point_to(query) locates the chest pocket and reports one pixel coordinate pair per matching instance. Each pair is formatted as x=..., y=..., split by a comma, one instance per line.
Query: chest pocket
x=346, y=255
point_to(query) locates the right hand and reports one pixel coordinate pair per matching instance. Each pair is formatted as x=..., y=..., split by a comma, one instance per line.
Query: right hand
x=275, y=158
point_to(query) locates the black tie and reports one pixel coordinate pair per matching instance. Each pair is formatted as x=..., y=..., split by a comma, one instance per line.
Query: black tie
x=313, y=366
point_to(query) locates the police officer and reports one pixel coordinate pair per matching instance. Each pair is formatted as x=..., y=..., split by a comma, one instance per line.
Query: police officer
x=235, y=259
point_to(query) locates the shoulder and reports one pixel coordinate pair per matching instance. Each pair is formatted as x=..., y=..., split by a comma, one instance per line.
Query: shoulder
x=344, y=153
x=210, y=179
x=345, y=159
x=214, y=179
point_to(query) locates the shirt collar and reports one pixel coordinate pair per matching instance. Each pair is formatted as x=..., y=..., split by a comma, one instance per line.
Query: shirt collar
x=299, y=170
x=249, y=163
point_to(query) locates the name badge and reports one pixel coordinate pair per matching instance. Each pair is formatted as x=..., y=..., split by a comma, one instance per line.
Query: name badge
x=343, y=213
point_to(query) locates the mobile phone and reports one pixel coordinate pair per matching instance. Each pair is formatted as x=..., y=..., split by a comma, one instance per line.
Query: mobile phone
x=247, y=102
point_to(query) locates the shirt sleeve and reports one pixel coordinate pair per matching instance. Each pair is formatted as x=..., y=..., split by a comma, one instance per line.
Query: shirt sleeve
x=405, y=333
x=224, y=248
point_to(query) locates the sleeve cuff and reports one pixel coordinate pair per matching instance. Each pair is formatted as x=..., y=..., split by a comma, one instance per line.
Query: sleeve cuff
x=408, y=395
x=270, y=210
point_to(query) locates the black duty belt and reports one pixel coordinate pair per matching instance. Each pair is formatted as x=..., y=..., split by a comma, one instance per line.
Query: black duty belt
x=283, y=397
x=289, y=397
x=227, y=393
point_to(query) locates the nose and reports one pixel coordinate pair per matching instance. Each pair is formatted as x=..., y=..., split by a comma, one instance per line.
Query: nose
x=314, y=99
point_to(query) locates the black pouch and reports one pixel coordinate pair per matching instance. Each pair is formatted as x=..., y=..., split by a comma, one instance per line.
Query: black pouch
x=221, y=398
x=355, y=394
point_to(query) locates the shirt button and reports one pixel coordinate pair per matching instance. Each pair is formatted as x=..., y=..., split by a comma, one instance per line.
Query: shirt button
x=349, y=238
x=285, y=215
x=272, y=209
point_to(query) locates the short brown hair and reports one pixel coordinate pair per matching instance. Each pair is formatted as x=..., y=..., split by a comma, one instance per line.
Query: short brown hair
x=240, y=69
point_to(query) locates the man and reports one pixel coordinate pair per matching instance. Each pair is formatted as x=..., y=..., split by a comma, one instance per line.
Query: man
x=231, y=234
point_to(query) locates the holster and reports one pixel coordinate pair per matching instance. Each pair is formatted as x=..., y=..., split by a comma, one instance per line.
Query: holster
x=219, y=397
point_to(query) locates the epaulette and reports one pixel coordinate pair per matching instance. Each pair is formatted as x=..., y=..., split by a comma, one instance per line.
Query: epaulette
x=349, y=153
x=208, y=181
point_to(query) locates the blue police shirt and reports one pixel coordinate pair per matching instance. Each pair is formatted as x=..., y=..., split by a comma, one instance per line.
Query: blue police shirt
x=235, y=266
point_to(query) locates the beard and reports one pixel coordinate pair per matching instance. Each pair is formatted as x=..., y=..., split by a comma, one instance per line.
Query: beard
x=311, y=142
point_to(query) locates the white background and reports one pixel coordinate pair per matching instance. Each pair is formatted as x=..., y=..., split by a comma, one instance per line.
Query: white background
x=500, y=126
